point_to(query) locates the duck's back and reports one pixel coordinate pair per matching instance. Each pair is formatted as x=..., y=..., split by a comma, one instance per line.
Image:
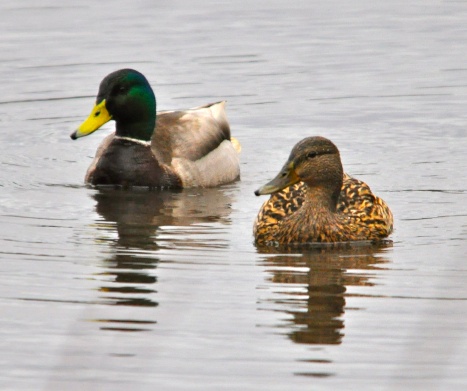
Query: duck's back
x=196, y=144
x=190, y=134
x=357, y=200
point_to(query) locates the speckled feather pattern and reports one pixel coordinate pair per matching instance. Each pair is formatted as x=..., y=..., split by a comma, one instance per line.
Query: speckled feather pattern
x=288, y=217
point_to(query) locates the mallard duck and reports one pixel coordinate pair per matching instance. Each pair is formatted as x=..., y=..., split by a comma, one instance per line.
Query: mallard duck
x=188, y=148
x=314, y=201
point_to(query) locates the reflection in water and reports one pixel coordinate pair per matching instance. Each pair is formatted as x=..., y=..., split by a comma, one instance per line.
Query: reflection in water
x=132, y=221
x=313, y=287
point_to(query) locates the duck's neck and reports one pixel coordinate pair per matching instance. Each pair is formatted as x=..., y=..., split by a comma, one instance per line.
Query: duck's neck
x=142, y=129
x=138, y=120
x=321, y=199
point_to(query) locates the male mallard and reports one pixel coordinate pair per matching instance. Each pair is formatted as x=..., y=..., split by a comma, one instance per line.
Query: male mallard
x=183, y=149
x=314, y=201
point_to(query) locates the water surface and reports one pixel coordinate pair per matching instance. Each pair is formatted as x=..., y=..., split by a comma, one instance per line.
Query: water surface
x=166, y=290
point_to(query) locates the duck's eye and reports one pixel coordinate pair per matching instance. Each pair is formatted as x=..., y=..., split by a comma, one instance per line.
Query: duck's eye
x=311, y=155
x=119, y=90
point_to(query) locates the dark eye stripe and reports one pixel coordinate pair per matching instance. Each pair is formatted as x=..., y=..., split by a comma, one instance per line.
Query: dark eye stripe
x=313, y=154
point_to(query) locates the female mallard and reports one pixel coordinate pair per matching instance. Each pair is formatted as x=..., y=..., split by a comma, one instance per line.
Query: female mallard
x=318, y=202
x=183, y=149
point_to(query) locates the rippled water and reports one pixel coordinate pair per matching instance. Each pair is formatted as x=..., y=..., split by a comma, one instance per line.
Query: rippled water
x=166, y=290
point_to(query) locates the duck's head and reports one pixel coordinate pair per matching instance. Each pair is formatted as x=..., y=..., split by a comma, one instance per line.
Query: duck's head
x=126, y=97
x=315, y=161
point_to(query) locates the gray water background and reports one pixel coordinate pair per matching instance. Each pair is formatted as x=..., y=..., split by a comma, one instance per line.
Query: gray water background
x=135, y=290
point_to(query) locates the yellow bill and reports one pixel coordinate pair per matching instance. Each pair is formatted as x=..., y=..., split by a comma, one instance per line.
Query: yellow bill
x=98, y=117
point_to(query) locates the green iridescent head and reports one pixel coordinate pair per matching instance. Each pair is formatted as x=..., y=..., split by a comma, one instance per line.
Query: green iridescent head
x=126, y=97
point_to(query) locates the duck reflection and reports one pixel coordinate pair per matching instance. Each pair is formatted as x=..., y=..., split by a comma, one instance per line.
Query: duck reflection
x=313, y=287
x=131, y=224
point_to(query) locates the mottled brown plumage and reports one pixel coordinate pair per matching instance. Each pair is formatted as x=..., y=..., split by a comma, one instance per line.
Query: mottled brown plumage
x=313, y=201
